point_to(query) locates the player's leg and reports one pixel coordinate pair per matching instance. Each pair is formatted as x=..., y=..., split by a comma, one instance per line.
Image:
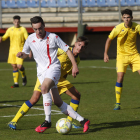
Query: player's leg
x=48, y=83
x=12, y=61
x=19, y=62
x=75, y=99
x=15, y=76
x=68, y=110
x=26, y=105
x=121, y=66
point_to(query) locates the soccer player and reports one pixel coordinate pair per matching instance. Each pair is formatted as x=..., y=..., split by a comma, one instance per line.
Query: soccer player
x=17, y=35
x=127, y=53
x=44, y=46
x=63, y=84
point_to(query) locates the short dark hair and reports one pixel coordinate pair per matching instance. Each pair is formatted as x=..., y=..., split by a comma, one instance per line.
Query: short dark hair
x=37, y=19
x=84, y=39
x=126, y=11
x=16, y=17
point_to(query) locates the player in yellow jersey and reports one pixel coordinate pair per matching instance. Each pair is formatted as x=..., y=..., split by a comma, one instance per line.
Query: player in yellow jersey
x=17, y=35
x=64, y=86
x=127, y=53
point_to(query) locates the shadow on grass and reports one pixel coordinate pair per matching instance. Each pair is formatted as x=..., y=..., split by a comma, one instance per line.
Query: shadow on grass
x=102, y=126
x=88, y=82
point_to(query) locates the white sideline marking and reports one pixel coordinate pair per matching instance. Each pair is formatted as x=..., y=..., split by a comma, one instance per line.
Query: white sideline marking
x=95, y=67
x=56, y=112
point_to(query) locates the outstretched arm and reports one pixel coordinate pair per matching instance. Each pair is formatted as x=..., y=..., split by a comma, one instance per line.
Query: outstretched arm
x=75, y=69
x=107, y=45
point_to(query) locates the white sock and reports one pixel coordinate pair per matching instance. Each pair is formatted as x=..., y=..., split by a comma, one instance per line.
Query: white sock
x=68, y=110
x=47, y=103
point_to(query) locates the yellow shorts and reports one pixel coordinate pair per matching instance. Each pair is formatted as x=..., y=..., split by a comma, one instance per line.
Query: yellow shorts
x=63, y=85
x=123, y=61
x=13, y=59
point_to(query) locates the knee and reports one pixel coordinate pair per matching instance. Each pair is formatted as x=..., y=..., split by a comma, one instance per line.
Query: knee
x=44, y=89
x=19, y=67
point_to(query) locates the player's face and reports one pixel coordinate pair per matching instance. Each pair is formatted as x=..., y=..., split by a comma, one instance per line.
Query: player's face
x=79, y=47
x=16, y=23
x=39, y=29
x=127, y=19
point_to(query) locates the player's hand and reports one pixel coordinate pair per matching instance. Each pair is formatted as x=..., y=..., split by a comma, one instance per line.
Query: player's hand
x=0, y=39
x=20, y=54
x=75, y=71
x=30, y=55
x=106, y=58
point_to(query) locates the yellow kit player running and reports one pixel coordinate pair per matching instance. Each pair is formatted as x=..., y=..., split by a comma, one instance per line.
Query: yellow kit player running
x=17, y=35
x=127, y=53
x=64, y=86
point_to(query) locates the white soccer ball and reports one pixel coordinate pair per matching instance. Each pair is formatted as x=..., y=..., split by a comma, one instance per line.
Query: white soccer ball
x=63, y=126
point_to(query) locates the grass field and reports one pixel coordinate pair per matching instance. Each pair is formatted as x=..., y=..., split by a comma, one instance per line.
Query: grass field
x=96, y=82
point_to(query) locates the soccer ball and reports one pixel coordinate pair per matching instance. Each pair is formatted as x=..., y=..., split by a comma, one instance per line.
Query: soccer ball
x=63, y=126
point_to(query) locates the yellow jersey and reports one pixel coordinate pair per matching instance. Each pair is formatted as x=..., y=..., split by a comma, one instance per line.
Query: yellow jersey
x=126, y=38
x=66, y=65
x=17, y=38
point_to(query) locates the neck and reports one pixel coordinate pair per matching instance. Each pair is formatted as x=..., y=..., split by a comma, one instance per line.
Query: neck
x=44, y=34
x=129, y=25
x=74, y=52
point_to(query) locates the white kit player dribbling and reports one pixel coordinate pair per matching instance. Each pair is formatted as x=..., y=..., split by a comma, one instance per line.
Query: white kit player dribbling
x=44, y=47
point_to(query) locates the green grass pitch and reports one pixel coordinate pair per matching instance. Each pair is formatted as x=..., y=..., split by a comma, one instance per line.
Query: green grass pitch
x=96, y=83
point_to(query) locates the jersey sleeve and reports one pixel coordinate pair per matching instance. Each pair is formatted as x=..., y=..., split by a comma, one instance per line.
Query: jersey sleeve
x=114, y=32
x=26, y=47
x=25, y=34
x=6, y=35
x=59, y=52
x=61, y=44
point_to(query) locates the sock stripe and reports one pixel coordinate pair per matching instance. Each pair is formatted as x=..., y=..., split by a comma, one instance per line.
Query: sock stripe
x=15, y=71
x=118, y=84
x=74, y=101
x=28, y=104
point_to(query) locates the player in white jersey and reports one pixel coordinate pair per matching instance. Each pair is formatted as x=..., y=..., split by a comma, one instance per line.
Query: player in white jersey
x=44, y=47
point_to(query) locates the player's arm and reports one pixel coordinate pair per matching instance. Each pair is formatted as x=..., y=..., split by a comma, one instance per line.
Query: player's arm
x=75, y=69
x=113, y=34
x=26, y=50
x=107, y=45
x=25, y=34
x=65, y=47
x=5, y=36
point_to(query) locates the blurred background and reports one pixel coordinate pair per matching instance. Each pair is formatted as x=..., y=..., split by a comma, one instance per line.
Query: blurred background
x=70, y=19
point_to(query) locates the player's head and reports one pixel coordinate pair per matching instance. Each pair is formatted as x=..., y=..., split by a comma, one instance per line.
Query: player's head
x=38, y=26
x=16, y=21
x=127, y=16
x=80, y=44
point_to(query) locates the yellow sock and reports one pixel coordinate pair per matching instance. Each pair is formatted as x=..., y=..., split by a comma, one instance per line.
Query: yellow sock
x=22, y=111
x=74, y=104
x=118, y=91
x=15, y=76
x=22, y=71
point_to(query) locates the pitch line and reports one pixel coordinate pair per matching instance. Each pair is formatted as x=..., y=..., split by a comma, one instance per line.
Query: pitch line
x=94, y=67
x=55, y=112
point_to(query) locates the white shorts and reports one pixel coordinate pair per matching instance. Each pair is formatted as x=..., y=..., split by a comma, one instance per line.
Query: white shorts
x=53, y=72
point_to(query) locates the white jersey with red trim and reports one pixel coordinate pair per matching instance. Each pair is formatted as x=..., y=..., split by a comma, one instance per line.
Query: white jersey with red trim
x=44, y=50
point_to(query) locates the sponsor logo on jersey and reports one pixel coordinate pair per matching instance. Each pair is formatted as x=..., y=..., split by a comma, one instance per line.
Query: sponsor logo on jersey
x=33, y=41
x=122, y=30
